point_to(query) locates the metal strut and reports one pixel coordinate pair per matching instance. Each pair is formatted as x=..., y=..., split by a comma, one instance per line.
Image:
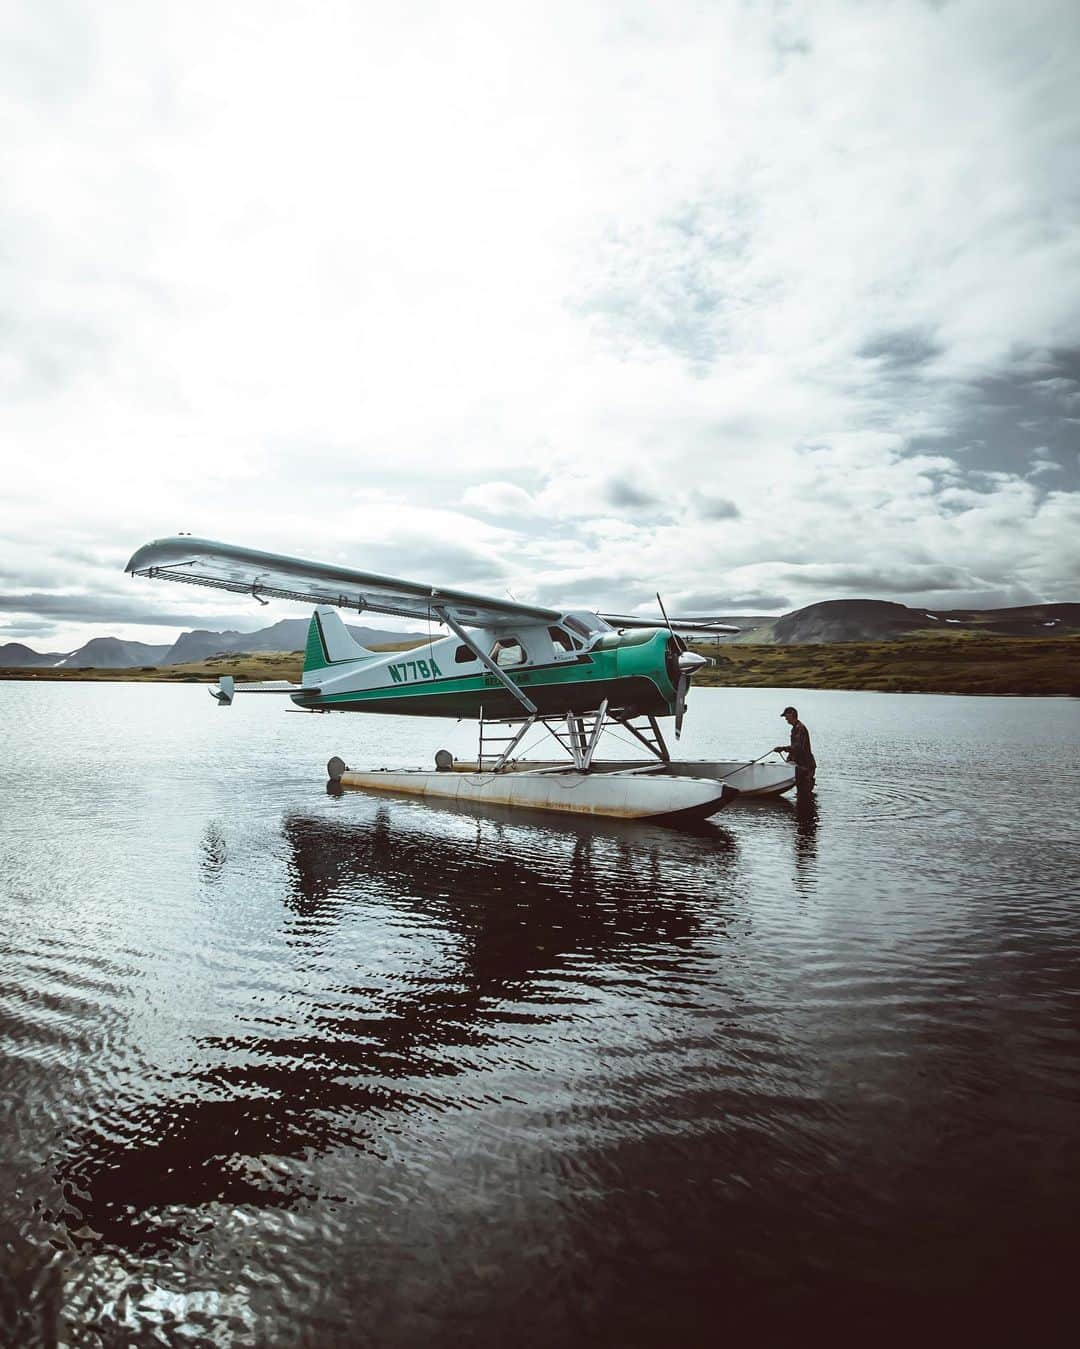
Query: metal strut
x=654, y=744
x=577, y=734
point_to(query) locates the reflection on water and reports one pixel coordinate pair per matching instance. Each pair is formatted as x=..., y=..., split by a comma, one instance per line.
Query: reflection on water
x=497, y=903
x=806, y=829
x=215, y=853
x=513, y=907
x=281, y=1067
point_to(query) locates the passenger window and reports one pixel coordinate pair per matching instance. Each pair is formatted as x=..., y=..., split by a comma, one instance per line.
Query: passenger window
x=507, y=651
x=560, y=640
x=463, y=655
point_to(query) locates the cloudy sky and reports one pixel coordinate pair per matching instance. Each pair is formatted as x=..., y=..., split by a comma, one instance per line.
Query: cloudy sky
x=754, y=303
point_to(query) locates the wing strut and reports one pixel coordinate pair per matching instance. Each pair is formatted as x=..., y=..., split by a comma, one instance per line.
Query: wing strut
x=484, y=659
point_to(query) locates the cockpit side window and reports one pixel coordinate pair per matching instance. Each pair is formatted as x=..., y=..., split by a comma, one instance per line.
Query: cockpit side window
x=576, y=625
x=508, y=651
x=561, y=640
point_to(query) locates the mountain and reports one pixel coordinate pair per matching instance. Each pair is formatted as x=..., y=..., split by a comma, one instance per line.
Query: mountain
x=110, y=653
x=847, y=621
x=288, y=635
x=883, y=620
x=14, y=653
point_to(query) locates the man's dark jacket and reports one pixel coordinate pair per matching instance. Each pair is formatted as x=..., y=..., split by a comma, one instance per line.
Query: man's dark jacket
x=800, y=754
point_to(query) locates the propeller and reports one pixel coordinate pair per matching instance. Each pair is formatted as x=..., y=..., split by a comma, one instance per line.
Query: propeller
x=689, y=663
x=680, y=703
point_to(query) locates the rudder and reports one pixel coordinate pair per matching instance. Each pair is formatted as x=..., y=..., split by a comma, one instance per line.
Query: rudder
x=329, y=642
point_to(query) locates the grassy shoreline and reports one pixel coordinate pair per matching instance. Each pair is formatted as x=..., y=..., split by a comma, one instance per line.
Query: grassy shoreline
x=263, y=665
x=988, y=665
x=981, y=664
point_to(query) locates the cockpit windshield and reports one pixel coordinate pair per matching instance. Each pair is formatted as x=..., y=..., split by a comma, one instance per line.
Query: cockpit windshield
x=576, y=625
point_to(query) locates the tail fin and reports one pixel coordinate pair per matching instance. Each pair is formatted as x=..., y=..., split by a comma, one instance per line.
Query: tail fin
x=328, y=642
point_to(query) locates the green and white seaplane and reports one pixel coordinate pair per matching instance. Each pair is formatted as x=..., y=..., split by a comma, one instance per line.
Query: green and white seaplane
x=573, y=674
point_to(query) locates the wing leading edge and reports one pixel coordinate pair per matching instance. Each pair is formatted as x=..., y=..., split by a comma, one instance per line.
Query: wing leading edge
x=266, y=576
x=679, y=624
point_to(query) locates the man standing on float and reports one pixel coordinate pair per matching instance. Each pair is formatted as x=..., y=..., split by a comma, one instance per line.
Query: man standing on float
x=799, y=752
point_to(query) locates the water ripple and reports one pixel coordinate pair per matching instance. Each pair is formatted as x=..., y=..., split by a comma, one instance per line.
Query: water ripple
x=271, y=1056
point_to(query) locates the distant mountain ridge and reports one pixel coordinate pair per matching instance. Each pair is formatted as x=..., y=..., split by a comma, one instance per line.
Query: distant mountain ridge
x=884, y=620
x=826, y=622
x=288, y=635
x=111, y=653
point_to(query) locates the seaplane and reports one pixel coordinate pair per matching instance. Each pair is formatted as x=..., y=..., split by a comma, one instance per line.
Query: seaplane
x=572, y=676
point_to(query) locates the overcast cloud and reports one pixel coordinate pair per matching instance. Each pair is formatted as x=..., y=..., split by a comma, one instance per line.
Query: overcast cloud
x=768, y=303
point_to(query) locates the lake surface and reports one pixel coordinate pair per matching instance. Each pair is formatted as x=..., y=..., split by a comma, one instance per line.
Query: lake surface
x=286, y=1068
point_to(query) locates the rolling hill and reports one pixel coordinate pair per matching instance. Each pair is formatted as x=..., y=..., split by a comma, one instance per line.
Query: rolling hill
x=834, y=621
x=14, y=655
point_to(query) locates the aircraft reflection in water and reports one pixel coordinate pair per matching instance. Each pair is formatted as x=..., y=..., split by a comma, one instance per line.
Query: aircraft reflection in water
x=483, y=912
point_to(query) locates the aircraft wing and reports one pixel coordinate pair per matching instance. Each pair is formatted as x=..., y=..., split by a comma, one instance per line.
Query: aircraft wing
x=679, y=624
x=266, y=576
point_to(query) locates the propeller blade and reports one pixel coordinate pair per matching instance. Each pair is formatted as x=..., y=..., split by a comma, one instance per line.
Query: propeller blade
x=689, y=662
x=680, y=645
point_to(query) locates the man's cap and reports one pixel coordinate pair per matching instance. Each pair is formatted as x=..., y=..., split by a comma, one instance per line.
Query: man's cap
x=789, y=709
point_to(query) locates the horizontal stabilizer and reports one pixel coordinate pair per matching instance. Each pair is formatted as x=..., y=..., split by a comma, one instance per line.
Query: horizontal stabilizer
x=228, y=688
x=225, y=690
x=269, y=686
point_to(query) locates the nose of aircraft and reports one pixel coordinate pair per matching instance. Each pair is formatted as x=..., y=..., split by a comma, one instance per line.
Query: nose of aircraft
x=690, y=662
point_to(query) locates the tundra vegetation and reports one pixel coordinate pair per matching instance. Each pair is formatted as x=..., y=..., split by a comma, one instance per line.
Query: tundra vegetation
x=923, y=662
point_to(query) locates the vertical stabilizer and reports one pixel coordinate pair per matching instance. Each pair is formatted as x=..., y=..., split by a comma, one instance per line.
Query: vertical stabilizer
x=328, y=642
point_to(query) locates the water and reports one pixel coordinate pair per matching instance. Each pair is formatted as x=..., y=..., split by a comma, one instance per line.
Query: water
x=292, y=1069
